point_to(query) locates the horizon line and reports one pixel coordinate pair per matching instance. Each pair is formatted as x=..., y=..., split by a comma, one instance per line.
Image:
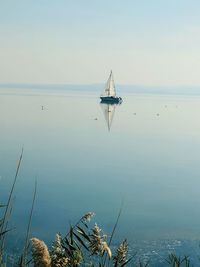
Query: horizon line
x=15, y=84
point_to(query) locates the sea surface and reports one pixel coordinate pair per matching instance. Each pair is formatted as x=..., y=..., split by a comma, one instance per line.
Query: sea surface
x=143, y=155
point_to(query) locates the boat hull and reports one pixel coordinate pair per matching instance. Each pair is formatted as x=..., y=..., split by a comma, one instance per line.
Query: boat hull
x=110, y=99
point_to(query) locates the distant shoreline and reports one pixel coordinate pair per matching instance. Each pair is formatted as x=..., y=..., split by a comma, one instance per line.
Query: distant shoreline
x=97, y=88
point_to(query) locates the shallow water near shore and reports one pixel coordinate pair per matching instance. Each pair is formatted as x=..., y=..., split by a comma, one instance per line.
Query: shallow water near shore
x=148, y=160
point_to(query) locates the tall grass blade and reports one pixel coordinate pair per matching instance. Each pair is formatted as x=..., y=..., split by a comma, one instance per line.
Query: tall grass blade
x=6, y=227
x=116, y=223
x=113, y=231
x=5, y=219
x=29, y=226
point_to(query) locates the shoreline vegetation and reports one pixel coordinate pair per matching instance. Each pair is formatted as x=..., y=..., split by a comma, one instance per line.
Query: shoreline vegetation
x=81, y=246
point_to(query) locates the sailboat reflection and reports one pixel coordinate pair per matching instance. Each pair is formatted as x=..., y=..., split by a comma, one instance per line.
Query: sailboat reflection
x=109, y=111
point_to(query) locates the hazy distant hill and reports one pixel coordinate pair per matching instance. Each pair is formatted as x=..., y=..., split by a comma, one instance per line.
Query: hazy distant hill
x=98, y=88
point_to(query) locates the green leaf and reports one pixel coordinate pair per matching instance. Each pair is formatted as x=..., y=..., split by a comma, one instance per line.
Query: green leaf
x=81, y=241
x=126, y=262
x=83, y=233
x=71, y=247
x=85, y=224
x=71, y=234
x=77, y=244
x=20, y=264
x=4, y=232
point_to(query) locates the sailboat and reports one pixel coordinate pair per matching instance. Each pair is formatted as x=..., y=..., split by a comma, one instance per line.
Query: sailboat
x=109, y=94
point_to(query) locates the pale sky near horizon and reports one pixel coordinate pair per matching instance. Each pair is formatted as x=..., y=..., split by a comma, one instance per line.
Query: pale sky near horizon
x=145, y=42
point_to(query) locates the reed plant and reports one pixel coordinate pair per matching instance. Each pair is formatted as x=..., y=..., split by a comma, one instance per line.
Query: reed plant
x=176, y=261
x=90, y=247
x=83, y=245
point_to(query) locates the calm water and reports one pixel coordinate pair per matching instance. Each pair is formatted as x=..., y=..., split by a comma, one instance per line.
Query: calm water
x=150, y=160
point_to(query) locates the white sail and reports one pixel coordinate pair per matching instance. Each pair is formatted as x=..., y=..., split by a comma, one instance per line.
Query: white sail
x=110, y=86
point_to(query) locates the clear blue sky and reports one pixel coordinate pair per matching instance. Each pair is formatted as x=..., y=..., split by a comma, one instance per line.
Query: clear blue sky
x=145, y=42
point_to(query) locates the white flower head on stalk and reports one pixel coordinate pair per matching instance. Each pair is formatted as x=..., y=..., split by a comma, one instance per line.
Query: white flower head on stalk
x=122, y=252
x=88, y=216
x=58, y=257
x=97, y=241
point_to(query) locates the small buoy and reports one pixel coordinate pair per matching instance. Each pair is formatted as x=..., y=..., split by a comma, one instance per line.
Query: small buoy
x=135, y=113
x=158, y=114
x=95, y=119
